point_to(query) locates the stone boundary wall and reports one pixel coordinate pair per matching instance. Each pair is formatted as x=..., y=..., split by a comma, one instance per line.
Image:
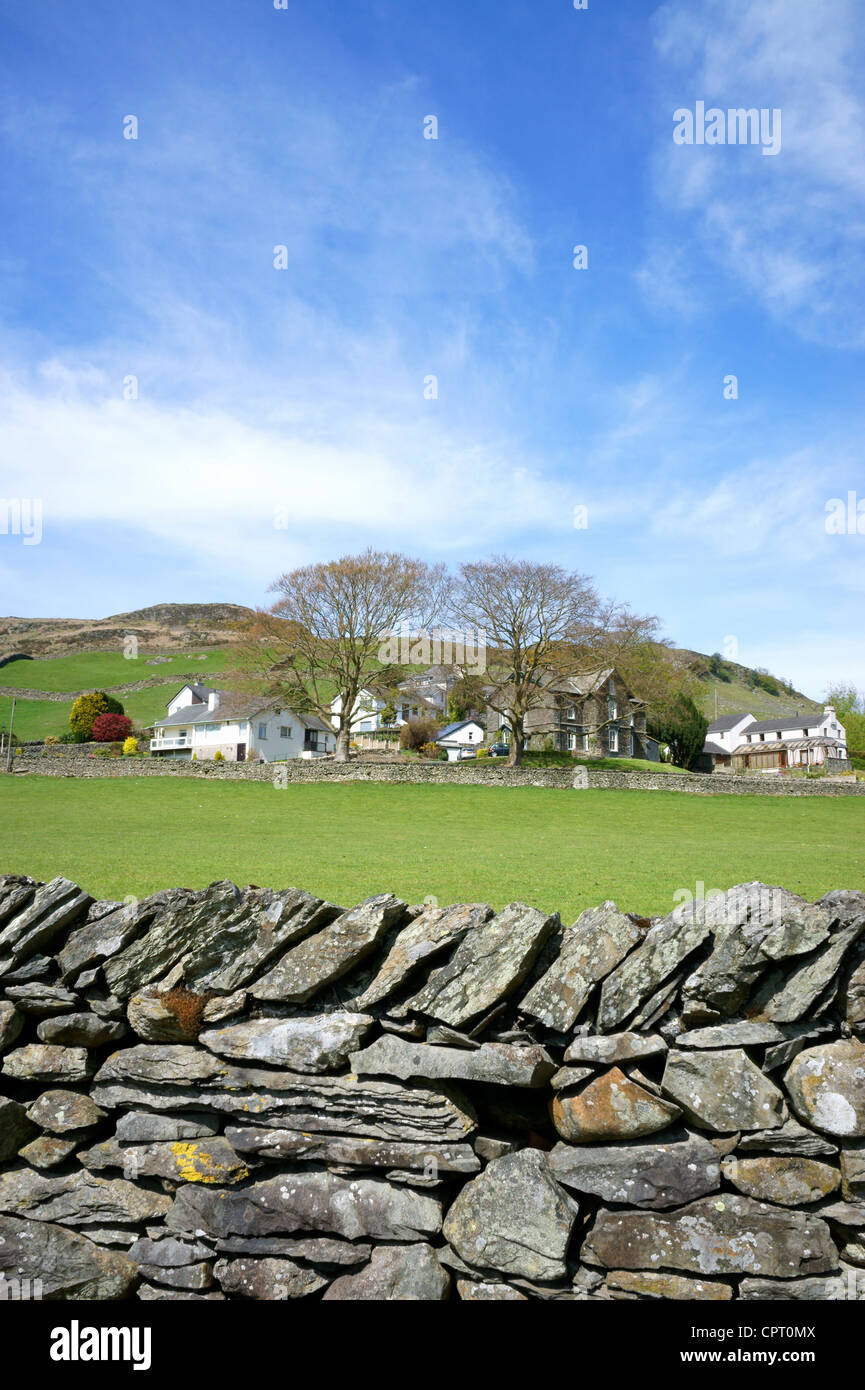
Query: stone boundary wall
x=73, y=764
x=249, y=1094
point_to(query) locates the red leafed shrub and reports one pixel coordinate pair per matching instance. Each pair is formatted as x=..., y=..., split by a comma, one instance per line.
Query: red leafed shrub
x=111, y=728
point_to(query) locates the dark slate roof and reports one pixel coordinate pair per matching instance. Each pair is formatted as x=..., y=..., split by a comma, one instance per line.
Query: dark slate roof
x=715, y=749
x=785, y=721
x=727, y=722
x=453, y=728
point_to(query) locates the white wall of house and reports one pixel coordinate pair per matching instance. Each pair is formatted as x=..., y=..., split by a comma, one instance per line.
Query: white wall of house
x=470, y=736
x=261, y=736
x=184, y=699
x=730, y=739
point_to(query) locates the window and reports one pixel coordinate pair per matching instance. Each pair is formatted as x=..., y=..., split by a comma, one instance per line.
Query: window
x=585, y=743
x=572, y=743
x=612, y=709
x=262, y=731
x=284, y=731
x=614, y=740
x=211, y=728
x=572, y=712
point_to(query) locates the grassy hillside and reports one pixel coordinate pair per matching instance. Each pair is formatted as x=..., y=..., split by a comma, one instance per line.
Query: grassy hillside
x=558, y=850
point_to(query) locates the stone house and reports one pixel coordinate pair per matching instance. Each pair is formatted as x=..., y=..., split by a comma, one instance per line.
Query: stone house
x=592, y=715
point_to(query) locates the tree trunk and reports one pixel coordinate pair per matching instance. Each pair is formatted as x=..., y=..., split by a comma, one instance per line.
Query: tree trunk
x=343, y=739
x=515, y=752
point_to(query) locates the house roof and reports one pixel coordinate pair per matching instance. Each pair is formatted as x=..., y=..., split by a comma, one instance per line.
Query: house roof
x=776, y=745
x=452, y=729
x=200, y=691
x=233, y=707
x=785, y=721
x=726, y=722
x=715, y=749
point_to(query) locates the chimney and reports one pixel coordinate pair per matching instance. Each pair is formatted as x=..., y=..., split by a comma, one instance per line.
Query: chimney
x=830, y=709
x=212, y=699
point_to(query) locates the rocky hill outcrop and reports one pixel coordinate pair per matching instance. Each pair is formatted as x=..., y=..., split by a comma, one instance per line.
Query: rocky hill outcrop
x=252, y=1094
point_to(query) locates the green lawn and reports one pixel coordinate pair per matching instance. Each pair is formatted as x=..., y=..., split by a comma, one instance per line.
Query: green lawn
x=562, y=850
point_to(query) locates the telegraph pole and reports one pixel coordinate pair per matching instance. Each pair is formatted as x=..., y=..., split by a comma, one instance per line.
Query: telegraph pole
x=9, y=747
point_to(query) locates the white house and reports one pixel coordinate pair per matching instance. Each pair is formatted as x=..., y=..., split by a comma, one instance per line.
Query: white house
x=202, y=722
x=371, y=703
x=461, y=738
x=739, y=742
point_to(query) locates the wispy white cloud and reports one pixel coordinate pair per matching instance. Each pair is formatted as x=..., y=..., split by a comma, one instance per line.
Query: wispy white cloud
x=788, y=230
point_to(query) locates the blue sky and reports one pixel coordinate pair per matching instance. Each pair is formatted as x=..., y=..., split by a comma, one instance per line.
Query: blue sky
x=281, y=415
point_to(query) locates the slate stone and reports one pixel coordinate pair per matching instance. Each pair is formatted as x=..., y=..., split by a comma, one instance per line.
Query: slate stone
x=38, y=1062
x=653, y=1176
x=722, y=1090
x=318, y=1250
x=853, y=994
x=326, y=956
x=471, y=1291
x=747, y=1033
x=317, y=1043
x=64, y=1111
x=615, y=1047
x=514, y=1218
x=11, y=1023
x=853, y=1173
x=791, y=1138
x=184, y=1078
x=104, y=935
x=183, y=923
x=77, y=1199
x=68, y=1265
x=48, y=1151
x=755, y=925
x=210, y=1160
x=787, y=997
x=827, y=1088
x=568, y=1077
x=275, y=1280
x=599, y=939
x=40, y=998
x=15, y=1128
x=140, y=1127
x=265, y=926
x=425, y=938
x=400, y=1274
x=52, y=907
x=151, y=1020
x=652, y=1284
x=722, y=1234
x=308, y=1202
x=787, y=1181
x=79, y=1030
x=195, y=1277
x=832, y=1288
x=150, y=1293
x=489, y=964
x=168, y=1254
x=665, y=947
x=613, y=1106
x=498, y=1063
x=284, y=1144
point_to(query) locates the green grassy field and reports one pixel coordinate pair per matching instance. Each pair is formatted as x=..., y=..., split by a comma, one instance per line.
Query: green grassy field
x=95, y=670
x=35, y=719
x=562, y=850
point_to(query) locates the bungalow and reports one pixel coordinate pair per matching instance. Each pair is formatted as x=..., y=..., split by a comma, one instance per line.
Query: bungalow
x=595, y=715
x=465, y=736
x=201, y=722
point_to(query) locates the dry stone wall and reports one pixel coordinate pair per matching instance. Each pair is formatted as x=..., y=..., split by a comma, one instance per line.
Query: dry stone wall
x=64, y=762
x=238, y=1094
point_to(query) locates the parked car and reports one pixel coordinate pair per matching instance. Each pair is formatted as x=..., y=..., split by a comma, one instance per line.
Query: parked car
x=498, y=750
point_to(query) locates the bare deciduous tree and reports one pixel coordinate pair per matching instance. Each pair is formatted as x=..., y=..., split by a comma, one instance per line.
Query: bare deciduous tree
x=543, y=623
x=322, y=636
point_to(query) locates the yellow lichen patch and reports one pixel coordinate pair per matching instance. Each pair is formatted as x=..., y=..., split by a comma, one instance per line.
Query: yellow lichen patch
x=195, y=1164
